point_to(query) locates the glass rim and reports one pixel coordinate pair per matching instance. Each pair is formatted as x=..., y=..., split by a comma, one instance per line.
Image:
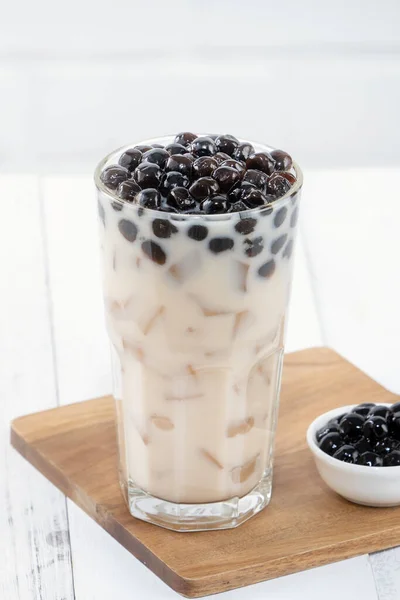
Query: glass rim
x=166, y=139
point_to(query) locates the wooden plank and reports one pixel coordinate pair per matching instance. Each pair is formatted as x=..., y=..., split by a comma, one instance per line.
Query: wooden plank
x=34, y=550
x=75, y=447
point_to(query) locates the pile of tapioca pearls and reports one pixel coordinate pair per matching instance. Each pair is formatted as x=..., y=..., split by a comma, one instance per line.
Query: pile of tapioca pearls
x=199, y=175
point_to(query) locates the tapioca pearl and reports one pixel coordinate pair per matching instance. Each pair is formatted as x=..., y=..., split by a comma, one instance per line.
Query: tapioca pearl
x=203, y=146
x=226, y=177
x=220, y=244
x=214, y=205
x=245, y=226
x=226, y=143
x=143, y=147
x=102, y=212
x=154, y=252
x=157, y=146
x=278, y=243
x=114, y=175
x=203, y=188
x=148, y=175
x=163, y=228
x=283, y=161
x=204, y=166
x=127, y=190
x=234, y=164
x=243, y=151
x=254, y=198
x=257, y=178
x=157, y=156
x=185, y=138
x=294, y=217
x=189, y=156
x=180, y=199
x=130, y=159
x=288, y=250
x=261, y=161
x=221, y=157
x=179, y=162
x=128, y=229
x=289, y=176
x=253, y=247
x=267, y=269
x=197, y=232
x=278, y=185
x=280, y=216
x=176, y=149
x=149, y=198
x=172, y=180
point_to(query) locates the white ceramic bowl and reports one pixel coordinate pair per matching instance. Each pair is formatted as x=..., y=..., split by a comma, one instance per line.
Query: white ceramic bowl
x=371, y=486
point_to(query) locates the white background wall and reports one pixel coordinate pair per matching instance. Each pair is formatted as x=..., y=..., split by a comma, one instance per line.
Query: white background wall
x=321, y=79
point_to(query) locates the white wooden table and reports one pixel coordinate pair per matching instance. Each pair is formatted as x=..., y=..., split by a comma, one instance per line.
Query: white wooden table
x=54, y=350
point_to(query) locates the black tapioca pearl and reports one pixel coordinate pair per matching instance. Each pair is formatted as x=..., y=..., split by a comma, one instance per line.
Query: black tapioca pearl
x=289, y=176
x=246, y=226
x=288, y=250
x=149, y=198
x=214, y=205
x=226, y=177
x=204, y=166
x=221, y=157
x=154, y=252
x=171, y=180
x=143, y=147
x=257, y=178
x=179, y=162
x=114, y=175
x=261, y=161
x=102, y=212
x=294, y=217
x=238, y=207
x=127, y=190
x=197, y=232
x=157, y=146
x=148, y=175
x=254, y=247
x=130, y=159
x=189, y=156
x=243, y=151
x=176, y=149
x=128, y=229
x=254, y=197
x=185, y=138
x=158, y=156
x=163, y=228
x=280, y=216
x=180, y=199
x=203, y=146
x=220, y=244
x=278, y=243
x=203, y=188
x=227, y=144
x=278, y=185
x=283, y=162
x=234, y=164
x=267, y=269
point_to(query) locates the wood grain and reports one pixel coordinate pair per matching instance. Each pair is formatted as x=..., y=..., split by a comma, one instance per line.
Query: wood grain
x=35, y=556
x=305, y=525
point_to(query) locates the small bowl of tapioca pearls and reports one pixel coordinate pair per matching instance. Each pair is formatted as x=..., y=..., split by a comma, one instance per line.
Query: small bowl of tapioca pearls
x=357, y=452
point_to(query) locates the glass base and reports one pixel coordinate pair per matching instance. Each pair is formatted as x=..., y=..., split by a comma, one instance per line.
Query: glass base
x=226, y=514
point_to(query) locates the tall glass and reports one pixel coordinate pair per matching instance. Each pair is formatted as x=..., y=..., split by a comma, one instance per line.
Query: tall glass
x=195, y=309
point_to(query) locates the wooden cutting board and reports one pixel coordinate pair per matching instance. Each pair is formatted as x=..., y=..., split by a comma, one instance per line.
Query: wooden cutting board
x=305, y=525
